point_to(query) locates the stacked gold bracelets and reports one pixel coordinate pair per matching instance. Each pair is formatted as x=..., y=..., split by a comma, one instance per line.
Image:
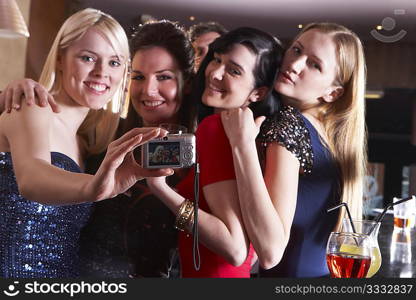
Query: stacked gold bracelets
x=185, y=217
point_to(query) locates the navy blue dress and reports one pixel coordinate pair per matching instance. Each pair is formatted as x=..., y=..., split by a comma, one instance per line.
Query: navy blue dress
x=318, y=190
x=36, y=240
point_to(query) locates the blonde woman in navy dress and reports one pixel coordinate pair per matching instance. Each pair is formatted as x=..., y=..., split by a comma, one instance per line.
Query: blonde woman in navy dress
x=313, y=152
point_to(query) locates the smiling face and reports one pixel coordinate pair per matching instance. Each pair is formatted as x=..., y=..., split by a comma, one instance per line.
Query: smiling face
x=308, y=73
x=229, y=80
x=154, y=86
x=91, y=70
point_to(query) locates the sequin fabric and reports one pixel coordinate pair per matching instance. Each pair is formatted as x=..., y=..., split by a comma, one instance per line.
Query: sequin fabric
x=288, y=128
x=36, y=240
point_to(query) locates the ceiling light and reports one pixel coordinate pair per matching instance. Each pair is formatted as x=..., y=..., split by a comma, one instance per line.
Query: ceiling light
x=300, y=26
x=373, y=94
x=12, y=23
x=379, y=27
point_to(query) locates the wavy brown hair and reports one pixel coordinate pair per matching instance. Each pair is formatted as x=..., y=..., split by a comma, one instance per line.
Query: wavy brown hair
x=174, y=39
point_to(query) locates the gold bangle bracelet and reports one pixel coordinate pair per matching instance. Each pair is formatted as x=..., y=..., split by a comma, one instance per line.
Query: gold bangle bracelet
x=185, y=214
x=190, y=224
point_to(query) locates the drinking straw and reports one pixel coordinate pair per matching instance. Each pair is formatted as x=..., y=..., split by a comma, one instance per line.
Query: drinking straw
x=348, y=212
x=383, y=213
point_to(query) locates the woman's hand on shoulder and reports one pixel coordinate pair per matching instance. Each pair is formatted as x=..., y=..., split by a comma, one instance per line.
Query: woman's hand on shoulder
x=26, y=91
x=240, y=126
x=119, y=170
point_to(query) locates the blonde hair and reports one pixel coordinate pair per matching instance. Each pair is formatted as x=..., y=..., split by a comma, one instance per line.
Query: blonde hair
x=344, y=119
x=99, y=127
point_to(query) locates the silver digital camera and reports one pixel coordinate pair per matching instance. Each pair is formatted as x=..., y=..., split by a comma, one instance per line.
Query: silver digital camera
x=171, y=151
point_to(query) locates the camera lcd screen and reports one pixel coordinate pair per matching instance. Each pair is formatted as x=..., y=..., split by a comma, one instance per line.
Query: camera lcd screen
x=164, y=154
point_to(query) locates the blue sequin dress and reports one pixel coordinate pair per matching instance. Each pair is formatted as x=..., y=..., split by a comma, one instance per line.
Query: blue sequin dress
x=36, y=240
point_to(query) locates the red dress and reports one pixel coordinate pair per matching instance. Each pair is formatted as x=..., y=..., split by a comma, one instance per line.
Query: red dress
x=216, y=164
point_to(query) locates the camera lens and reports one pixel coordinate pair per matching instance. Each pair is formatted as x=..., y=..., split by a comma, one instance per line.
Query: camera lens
x=165, y=138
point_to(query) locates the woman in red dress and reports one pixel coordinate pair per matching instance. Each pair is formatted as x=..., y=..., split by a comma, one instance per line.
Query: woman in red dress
x=238, y=71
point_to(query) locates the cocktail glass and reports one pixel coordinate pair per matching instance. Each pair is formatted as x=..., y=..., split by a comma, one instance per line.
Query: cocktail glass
x=364, y=227
x=348, y=255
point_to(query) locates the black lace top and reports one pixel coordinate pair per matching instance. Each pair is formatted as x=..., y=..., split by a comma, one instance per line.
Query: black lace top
x=288, y=128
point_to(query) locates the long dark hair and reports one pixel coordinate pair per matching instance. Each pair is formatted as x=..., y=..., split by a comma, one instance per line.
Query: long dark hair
x=174, y=39
x=269, y=54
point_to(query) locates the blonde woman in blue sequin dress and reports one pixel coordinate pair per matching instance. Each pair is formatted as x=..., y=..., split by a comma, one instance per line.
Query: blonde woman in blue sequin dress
x=44, y=198
x=138, y=238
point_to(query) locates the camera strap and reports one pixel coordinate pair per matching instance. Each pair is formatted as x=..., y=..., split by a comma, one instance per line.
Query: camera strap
x=195, y=250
